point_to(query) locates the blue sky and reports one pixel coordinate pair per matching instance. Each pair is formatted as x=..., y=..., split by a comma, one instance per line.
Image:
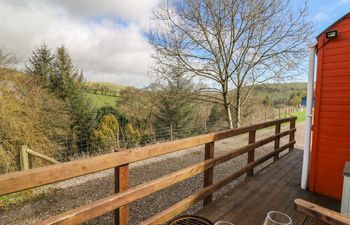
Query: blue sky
x=325, y=12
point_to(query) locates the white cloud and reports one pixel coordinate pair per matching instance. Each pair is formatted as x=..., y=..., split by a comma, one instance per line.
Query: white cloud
x=131, y=10
x=104, y=48
x=322, y=17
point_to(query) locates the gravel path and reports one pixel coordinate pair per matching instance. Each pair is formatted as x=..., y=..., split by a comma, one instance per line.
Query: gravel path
x=76, y=192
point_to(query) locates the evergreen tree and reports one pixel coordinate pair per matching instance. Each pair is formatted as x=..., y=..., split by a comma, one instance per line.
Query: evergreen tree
x=217, y=115
x=109, y=110
x=132, y=136
x=104, y=137
x=67, y=83
x=41, y=64
x=176, y=109
x=66, y=80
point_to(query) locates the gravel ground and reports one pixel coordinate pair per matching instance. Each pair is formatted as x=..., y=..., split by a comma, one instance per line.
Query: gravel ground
x=70, y=194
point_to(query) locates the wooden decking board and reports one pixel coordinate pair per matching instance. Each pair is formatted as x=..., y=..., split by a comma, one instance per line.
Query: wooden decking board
x=249, y=193
x=274, y=188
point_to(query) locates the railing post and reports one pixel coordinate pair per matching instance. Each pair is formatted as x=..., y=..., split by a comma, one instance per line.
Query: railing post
x=251, y=153
x=209, y=173
x=277, y=140
x=121, y=176
x=292, y=135
x=23, y=156
x=171, y=132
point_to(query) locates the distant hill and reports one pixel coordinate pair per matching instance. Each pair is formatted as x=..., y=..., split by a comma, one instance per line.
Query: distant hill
x=100, y=86
x=103, y=93
x=106, y=94
x=280, y=90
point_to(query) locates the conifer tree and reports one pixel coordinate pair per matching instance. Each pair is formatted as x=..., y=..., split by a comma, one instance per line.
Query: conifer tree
x=41, y=65
x=67, y=83
x=66, y=80
x=176, y=109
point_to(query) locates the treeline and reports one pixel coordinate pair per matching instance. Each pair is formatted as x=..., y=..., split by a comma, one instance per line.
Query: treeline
x=46, y=107
x=102, y=88
x=294, y=100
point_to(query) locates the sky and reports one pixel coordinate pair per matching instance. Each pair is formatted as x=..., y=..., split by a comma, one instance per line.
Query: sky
x=105, y=38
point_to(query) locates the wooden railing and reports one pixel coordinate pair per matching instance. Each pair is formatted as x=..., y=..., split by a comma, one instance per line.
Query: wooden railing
x=321, y=214
x=124, y=195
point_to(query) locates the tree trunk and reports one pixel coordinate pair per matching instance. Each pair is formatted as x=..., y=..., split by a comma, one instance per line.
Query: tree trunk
x=229, y=116
x=228, y=111
x=238, y=116
x=227, y=105
x=238, y=109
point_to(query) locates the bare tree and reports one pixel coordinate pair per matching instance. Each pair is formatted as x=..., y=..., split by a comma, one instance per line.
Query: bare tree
x=6, y=58
x=229, y=45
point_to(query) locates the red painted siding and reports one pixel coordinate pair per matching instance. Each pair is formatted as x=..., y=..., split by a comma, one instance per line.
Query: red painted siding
x=331, y=134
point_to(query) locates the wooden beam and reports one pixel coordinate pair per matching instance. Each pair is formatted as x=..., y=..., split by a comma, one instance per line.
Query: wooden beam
x=251, y=153
x=121, y=179
x=186, y=203
x=23, y=156
x=277, y=141
x=92, y=210
x=320, y=213
x=18, y=181
x=244, y=149
x=292, y=135
x=102, y=206
x=44, y=157
x=209, y=173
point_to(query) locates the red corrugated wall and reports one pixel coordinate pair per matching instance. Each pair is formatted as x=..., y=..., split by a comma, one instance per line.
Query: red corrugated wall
x=331, y=134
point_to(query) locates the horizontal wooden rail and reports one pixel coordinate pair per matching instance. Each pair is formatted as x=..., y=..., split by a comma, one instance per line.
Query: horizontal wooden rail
x=44, y=157
x=18, y=181
x=112, y=202
x=120, y=160
x=186, y=203
x=320, y=213
x=115, y=201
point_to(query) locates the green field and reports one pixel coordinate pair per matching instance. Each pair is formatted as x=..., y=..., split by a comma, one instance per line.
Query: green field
x=99, y=100
x=301, y=116
x=106, y=85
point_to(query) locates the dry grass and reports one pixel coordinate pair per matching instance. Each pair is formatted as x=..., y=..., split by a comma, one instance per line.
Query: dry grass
x=30, y=115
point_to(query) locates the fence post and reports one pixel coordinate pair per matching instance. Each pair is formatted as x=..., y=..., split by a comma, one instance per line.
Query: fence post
x=23, y=156
x=277, y=140
x=118, y=144
x=279, y=113
x=121, y=176
x=171, y=132
x=251, y=153
x=292, y=135
x=209, y=173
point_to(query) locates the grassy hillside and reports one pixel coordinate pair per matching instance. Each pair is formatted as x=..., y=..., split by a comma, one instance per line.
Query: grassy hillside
x=109, y=86
x=103, y=93
x=279, y=90
x=99, y=100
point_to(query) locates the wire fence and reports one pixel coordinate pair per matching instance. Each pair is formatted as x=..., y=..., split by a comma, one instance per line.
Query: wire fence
x=68, y=150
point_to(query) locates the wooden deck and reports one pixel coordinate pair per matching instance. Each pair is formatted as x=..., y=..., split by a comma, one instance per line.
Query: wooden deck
x=274, y=188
